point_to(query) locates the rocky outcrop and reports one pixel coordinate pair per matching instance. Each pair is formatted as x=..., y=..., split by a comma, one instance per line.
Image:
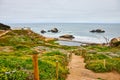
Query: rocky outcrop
x=67, y=36
x=4, y=27
x=98, y=31
x=54, y=30
x=43, y=31
x=115, y=41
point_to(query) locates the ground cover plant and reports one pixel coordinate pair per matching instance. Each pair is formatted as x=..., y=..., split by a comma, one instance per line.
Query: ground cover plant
x=16, y=50
x=100, y=58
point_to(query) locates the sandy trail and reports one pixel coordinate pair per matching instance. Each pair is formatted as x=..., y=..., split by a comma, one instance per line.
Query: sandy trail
x=4, y=33
x=78, y=71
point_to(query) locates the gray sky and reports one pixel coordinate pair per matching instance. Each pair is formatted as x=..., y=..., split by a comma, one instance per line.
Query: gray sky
x=60, y=11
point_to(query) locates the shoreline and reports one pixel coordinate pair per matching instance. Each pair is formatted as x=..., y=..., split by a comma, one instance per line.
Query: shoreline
x=80, y=40
x=87, y=43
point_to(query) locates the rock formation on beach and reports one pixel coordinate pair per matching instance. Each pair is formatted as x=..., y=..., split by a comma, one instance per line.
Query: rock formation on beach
x=115, y=41
x=67, y=36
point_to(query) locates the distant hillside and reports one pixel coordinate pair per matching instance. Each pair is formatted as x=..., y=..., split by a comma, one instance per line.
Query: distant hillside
x=4, y=27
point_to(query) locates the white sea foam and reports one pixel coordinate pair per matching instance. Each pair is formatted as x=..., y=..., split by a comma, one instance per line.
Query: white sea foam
x=88, y=39
x=84, y=39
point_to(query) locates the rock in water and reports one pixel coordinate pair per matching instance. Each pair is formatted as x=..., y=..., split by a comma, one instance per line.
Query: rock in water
x=43, y=31
x=54, y=30
x=98, y=31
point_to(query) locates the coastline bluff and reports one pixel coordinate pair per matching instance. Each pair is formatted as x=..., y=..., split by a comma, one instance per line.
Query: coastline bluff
x=4, y=27
x=23, y=32
x=26, y=32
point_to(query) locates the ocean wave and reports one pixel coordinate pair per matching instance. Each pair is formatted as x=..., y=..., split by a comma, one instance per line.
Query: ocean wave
x=87, y=39
x=82, y=39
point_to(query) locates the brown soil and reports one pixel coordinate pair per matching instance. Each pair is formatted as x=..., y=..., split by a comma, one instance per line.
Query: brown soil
x=78, y=71
x=3, y=33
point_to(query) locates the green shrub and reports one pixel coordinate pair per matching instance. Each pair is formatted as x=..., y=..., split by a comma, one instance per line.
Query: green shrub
x=48, y=71
x=12, y=68
x=98, y=66
x=48, y=64
x=110, y=65
x=21, y=47
x=15, y=62
x=98, y=48
x=53, y=53
x=115, y=64
x=13, y=75
x=77, y=52
x=89, y=57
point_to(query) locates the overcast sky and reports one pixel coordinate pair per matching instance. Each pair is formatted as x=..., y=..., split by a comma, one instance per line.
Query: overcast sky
x=60, y=11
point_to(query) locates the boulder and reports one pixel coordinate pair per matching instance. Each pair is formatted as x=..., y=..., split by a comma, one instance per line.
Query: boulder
x=67, y=36
x=93, y=31
x=49, y=30
x=115, y=41
x=98, y=31
x=43, y=31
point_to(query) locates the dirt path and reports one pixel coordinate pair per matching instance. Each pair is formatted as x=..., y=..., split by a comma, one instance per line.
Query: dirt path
x=78, y=71
x=4, y=33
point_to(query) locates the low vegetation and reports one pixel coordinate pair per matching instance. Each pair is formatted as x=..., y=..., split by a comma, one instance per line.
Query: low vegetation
x=16, y=49
x=100, y=58
x=21, y=68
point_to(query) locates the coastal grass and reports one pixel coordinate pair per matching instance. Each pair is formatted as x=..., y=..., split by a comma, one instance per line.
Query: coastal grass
x=16, y=49
x=23, y=66
x=94, y=57
x=102, y=48
x=99, y=66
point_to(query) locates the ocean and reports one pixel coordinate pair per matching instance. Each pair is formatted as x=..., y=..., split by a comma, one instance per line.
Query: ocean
x=81, y=31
